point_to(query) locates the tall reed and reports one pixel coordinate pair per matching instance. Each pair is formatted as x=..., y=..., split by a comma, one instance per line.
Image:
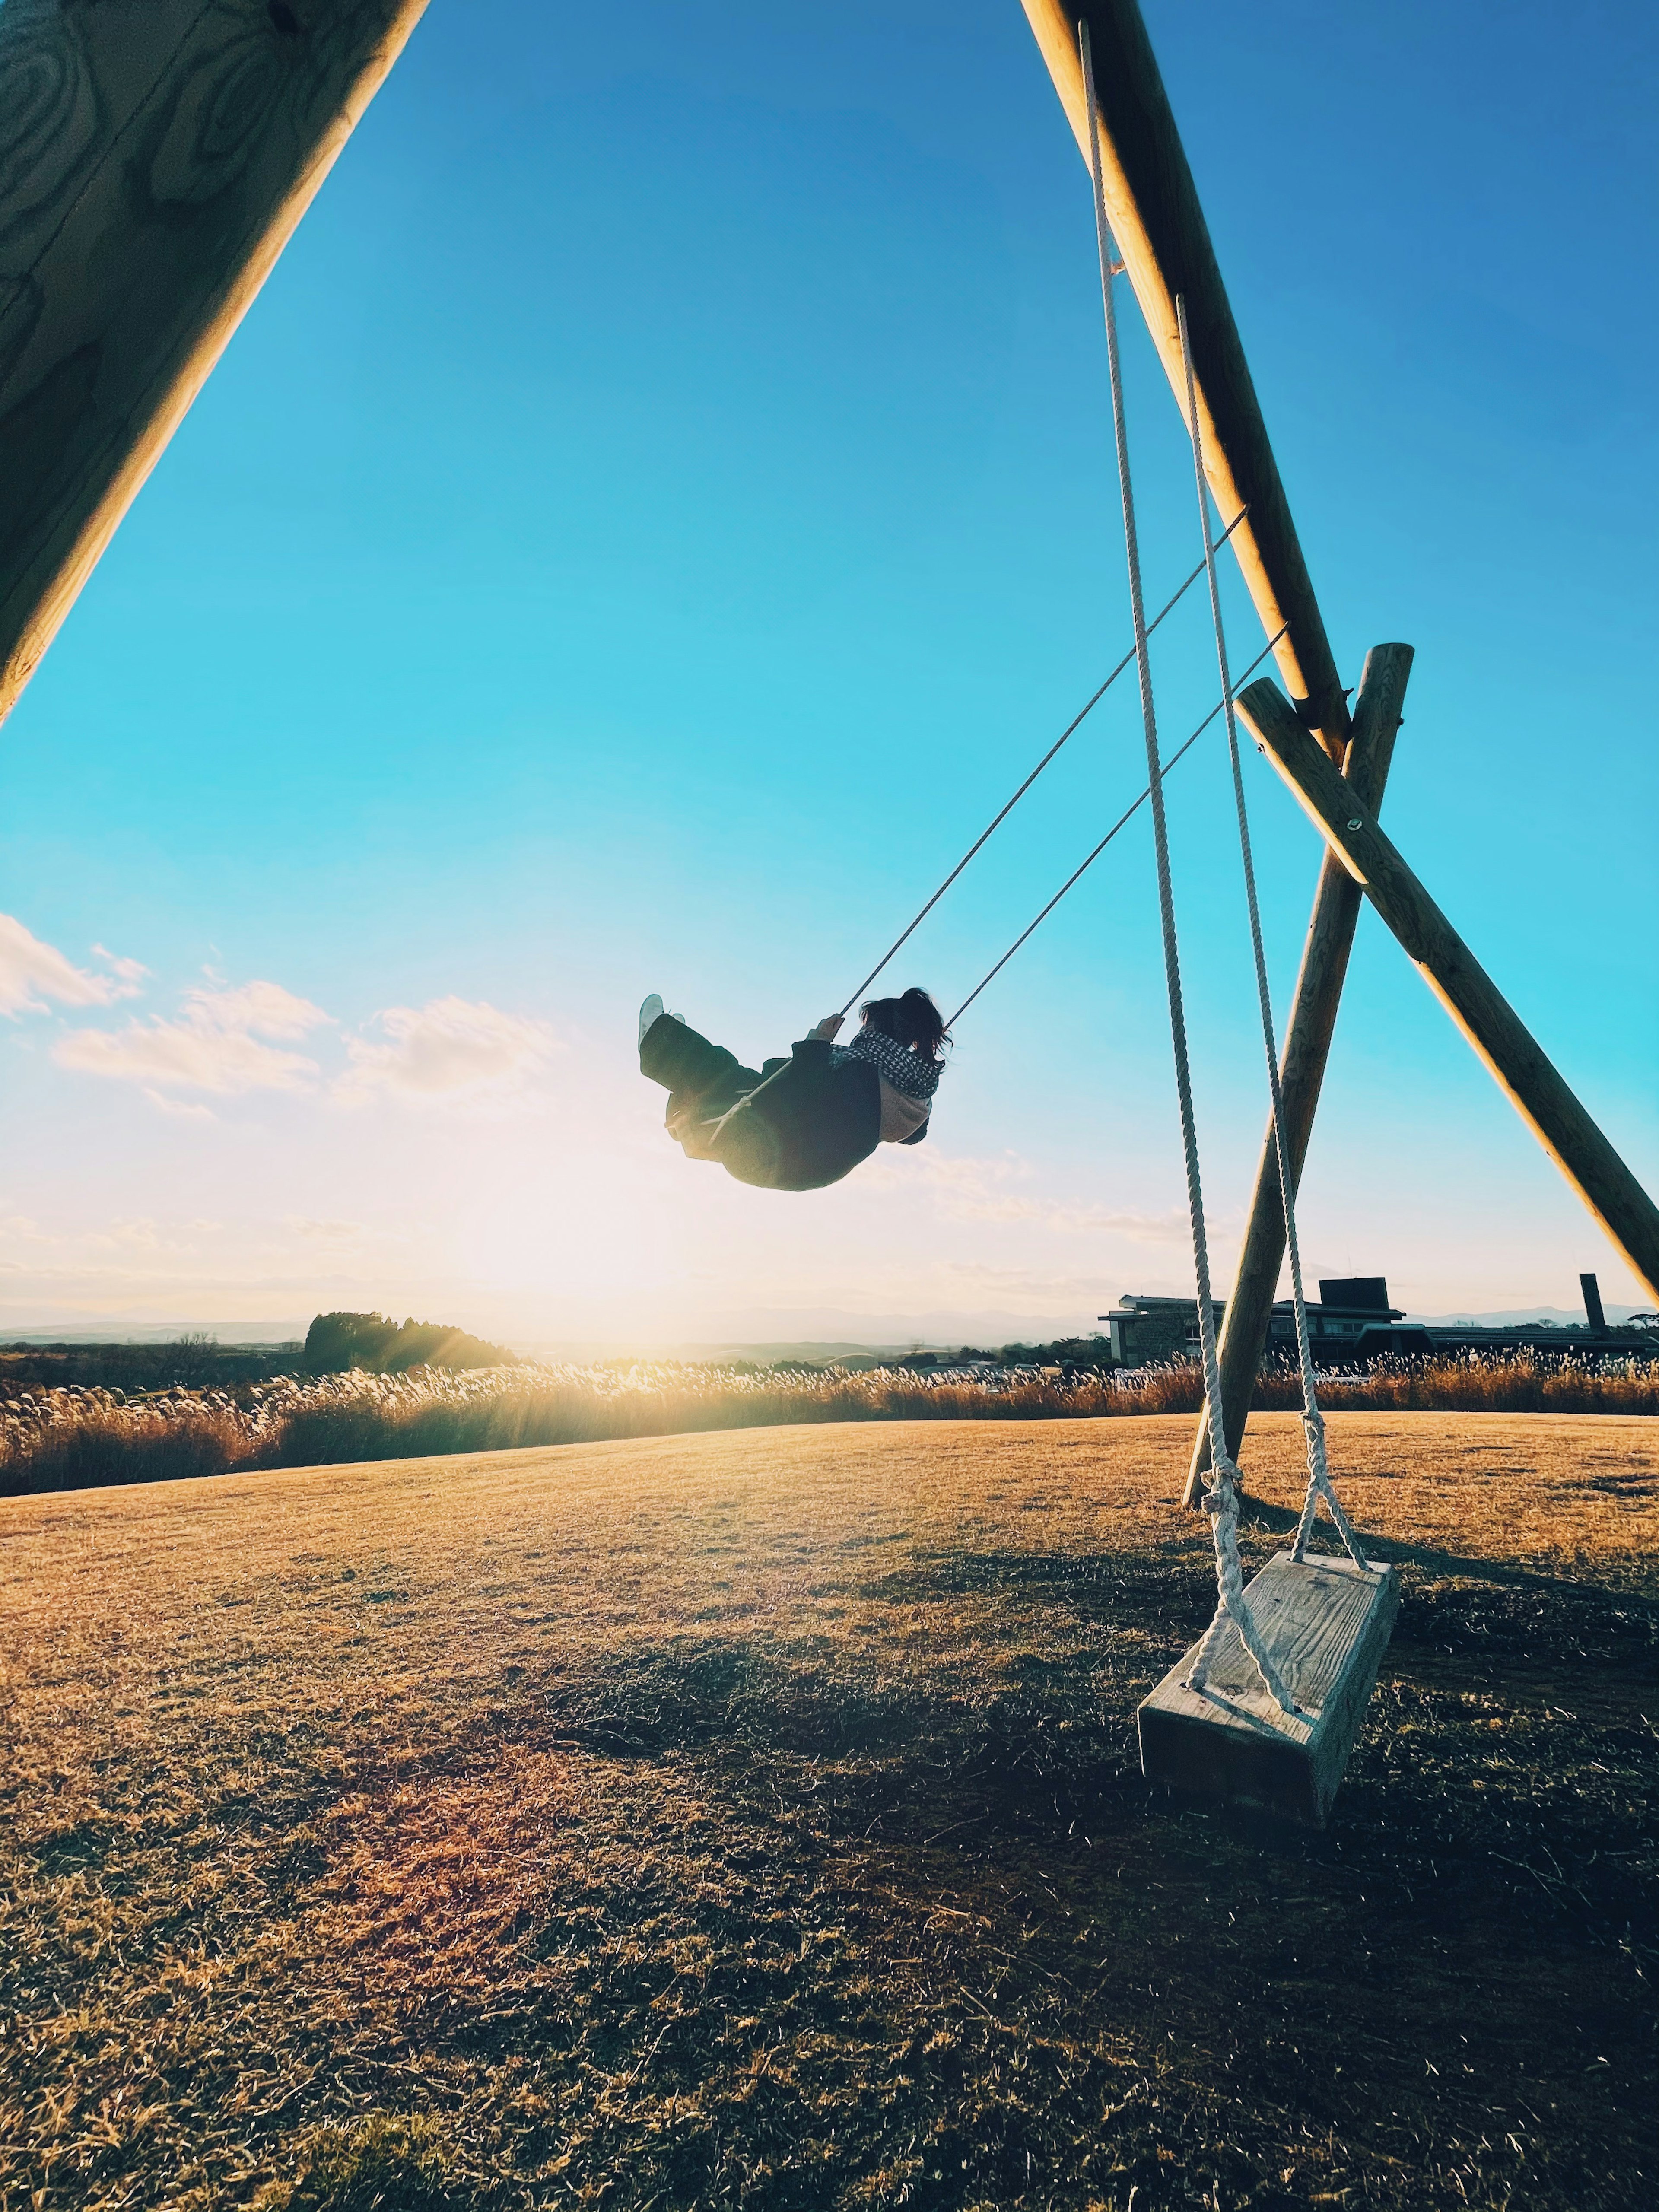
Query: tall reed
x=76, y=1438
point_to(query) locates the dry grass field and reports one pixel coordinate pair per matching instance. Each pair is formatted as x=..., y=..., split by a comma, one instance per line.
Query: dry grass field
x=753, y=1819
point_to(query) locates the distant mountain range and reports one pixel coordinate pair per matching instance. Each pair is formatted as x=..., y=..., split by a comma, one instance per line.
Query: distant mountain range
x=887, y=1336
x=1523, y=1316
x=156, y=1331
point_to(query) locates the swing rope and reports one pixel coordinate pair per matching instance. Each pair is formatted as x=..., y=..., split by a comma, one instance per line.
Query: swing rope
x=1313, y=1421
x=996, y=820
x=1221, y=1500
x=1123, y=819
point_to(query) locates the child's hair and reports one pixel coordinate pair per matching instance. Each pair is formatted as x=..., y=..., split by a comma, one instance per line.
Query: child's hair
x=913, y=1020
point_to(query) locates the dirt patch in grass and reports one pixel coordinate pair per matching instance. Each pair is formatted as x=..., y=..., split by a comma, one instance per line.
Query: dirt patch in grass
x=755, y=1820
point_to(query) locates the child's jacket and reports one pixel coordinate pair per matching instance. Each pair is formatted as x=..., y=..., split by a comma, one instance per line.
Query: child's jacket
x=813, y=1118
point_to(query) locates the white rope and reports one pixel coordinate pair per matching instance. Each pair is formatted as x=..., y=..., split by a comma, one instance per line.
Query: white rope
x=1313, y=1421
x=1222, y=1498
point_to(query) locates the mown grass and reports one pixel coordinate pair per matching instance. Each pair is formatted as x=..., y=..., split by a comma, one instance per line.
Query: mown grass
x=73, y=1439
x=754, y=1820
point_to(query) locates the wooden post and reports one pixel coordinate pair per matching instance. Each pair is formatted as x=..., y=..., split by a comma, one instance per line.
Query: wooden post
x=1491, y=1025
x=1302, y=1069
x=1162, y=236
x=156, y=156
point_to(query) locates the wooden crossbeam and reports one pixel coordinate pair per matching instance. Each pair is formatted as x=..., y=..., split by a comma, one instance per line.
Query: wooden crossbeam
x=1308, y=1035
x=1474, y=1002
x=156, y=156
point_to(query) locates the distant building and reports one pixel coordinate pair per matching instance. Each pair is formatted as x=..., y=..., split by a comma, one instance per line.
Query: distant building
x=1146, y=1330
x=1351, y=1323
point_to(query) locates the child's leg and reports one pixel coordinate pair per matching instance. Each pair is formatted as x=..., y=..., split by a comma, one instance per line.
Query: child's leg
x=699, y=1075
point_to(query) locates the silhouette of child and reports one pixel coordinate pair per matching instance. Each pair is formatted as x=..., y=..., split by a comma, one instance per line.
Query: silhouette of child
x=800, y=1123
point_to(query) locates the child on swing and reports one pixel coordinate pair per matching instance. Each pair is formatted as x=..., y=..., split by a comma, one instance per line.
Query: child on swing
x=800, y=1123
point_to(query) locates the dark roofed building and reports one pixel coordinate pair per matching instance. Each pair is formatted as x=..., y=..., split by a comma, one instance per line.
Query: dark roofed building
x=1146, y=1329
x=1351, y=1323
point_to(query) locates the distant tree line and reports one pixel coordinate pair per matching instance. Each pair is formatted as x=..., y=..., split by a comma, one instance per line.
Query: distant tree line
x=1088, y=1355
x=336, y=1342
x=1088, y=1352
x=195, y=1361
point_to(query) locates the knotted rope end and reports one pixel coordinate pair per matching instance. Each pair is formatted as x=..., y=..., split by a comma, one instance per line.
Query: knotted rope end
x=1222, y=1495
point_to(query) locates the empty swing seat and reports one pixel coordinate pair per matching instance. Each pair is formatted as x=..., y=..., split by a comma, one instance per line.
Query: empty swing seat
x=1327, y=1623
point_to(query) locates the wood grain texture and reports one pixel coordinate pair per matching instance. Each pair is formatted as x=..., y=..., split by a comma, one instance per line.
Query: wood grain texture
x=156, y=156
x=1308, y=1035
x=1164, y=244
x=1474, y=1002
x=1327, y=1623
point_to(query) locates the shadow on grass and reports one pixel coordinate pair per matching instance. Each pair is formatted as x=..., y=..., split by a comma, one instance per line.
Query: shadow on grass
x=1257, y=1515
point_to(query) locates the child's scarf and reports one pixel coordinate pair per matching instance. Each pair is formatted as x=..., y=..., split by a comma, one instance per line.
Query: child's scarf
x=907, y=1071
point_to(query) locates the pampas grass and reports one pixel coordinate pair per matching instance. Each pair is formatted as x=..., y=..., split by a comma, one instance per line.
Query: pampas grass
x=78, y=1438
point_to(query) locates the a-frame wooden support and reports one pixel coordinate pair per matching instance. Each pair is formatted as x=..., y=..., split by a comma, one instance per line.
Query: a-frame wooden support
x=1474, y=1002
x=156, y=156
x=1159, y=228
x=1166, y=243
x=1307, y=1048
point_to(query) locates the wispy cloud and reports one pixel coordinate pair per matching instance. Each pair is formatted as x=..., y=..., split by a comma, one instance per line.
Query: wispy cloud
x=962, y=1188
x=969, y=1190
x=324, y=1232
x=1025, y=1284
x=1173, y=1226
x=449, y=1049
x=179, y=1109
x=217, y=1044
x=126, y=973
x=34, y=975
x=142, y=1233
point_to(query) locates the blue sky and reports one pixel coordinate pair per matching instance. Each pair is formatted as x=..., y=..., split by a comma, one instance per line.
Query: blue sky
x=660, y=505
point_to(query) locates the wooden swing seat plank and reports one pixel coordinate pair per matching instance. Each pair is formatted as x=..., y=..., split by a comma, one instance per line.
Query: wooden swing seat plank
x=1327, y=1623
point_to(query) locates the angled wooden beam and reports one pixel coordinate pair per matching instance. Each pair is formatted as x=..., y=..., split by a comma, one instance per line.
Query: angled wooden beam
x=1308, y=1036
x=1159, y=229
x=156, y=156
x=1491, y=1025
x=1165, y=241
